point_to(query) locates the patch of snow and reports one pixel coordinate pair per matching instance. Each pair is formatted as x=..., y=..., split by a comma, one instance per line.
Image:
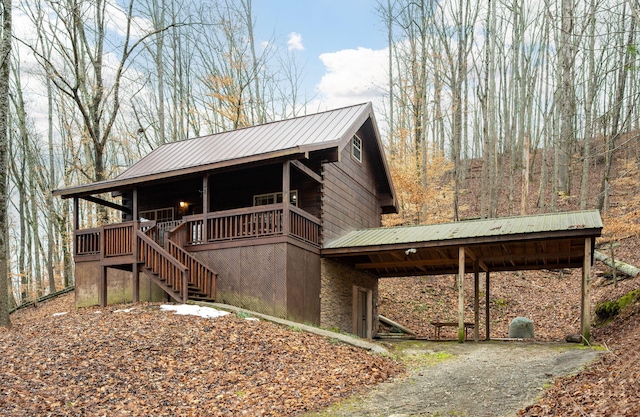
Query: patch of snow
x=124, y=310
x=62, y=313
x=194, y=310
x=252, y=319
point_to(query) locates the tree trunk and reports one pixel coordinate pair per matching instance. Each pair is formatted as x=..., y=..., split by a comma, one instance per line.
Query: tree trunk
x=629, y=270
x=5, y=57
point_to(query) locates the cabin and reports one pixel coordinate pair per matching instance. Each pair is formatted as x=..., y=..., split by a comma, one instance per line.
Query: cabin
x=240, y=218
x=284, y=219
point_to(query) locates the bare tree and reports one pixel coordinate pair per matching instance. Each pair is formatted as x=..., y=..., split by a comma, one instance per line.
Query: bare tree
x=5, y=60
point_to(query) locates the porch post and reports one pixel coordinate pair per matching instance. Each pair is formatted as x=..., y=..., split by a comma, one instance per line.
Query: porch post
x=102, y=287
x=76, y=214
x=205, y=207
x=461, y=294
x=486, y=306
x=585, y=304
x=476, y=301
x=134, y=209
x=134, y=266
x=286, y=185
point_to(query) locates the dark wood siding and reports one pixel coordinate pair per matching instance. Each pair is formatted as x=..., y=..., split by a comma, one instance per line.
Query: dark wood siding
x=303, y=285
x=349, y=199
x=251, y=277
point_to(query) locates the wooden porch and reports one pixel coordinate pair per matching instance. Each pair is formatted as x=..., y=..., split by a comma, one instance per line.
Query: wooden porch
x=163, y=249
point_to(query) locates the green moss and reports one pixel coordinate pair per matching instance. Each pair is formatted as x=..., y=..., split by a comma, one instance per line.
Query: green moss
x=609, y=309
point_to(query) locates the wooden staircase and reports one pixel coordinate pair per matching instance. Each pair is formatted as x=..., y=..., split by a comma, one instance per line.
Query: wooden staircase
x=175, y=270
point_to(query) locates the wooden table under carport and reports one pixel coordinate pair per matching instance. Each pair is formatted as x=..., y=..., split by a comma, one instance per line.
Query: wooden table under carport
x=545, y=241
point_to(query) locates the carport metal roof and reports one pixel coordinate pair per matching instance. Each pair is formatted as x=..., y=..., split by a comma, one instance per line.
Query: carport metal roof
x=545, y=241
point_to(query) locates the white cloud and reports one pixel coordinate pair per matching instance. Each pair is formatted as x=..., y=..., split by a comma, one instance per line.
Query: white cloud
x=353, y=76
x=295, y=42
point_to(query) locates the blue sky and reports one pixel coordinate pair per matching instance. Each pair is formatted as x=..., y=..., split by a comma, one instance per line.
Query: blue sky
x=348, y=34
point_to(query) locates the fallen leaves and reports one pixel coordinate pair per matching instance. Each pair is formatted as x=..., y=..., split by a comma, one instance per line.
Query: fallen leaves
x=93, y=362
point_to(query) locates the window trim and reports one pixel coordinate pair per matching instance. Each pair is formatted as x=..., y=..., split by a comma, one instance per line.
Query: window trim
x=293, y=198
x=356, y=148
x=156, y=212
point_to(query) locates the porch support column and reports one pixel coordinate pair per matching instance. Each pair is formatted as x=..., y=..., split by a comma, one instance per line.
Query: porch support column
x=461, y=331
x=76, y=214
x=286, y=186
x=486, y=306
x=476, y=301
x=585, y=305
x=102, y=287
x=205, y=206
x=134, y=207
x=134, y=267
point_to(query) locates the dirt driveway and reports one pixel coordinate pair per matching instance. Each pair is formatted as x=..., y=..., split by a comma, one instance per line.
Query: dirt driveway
x=450, y=379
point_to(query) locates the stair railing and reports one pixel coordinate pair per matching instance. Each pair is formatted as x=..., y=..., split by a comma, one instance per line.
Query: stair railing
x=200, y=275
x=167, y=268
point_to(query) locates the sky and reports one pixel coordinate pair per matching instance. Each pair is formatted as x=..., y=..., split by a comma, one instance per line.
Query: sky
x=342, y=43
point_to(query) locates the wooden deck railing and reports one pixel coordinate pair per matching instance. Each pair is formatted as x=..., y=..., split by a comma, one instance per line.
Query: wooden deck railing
x=119, y=239
x=87, y=242
x=250, y=222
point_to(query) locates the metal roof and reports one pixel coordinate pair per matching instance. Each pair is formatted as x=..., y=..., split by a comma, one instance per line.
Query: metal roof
x=284, y=138
x=481, y=229
x=545, y=241
x=298, y=134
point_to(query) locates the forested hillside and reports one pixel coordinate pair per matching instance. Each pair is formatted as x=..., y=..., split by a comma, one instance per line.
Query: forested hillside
x=487, y=108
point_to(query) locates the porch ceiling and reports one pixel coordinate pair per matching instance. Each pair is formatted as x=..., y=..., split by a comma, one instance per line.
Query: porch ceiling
x=549, y=241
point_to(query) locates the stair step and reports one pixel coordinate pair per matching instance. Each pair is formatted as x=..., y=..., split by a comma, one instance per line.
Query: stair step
x=201, y=298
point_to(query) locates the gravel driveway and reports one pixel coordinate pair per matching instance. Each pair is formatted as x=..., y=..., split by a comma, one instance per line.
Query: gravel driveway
x=494, y=378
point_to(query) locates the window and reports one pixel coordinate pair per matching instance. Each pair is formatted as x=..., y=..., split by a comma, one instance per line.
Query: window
x=356, y=148
x=274, y=198
x=159, y=215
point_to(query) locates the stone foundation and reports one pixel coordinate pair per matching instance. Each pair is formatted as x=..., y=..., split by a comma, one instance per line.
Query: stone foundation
x=336, y=295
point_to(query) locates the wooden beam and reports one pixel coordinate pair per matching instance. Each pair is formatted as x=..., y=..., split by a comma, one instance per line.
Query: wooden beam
x=106, y=203
x=102, y=296
x=135, y=204
x=409, y=264
x=475, y=257
x=307, y=171
x=476, y=301
x=461, y=331
x=286, y=191
x=585, y=304
x=487, y=320
x=76, y=214
x=205, y=207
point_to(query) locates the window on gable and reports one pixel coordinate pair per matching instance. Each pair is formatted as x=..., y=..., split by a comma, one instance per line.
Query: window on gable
x=356, y=148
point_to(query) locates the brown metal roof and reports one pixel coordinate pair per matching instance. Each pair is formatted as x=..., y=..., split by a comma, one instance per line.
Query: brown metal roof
x=546, y=241
x=272, y=140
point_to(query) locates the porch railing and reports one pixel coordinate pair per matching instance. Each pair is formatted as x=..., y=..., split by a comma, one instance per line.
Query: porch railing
x=88, y=241
x=250, y=222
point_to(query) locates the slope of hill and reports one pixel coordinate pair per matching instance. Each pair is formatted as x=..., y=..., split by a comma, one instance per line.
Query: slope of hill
x=140, y=360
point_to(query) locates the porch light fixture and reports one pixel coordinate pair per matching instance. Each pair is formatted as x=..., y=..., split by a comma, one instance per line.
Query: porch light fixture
x=183, y=204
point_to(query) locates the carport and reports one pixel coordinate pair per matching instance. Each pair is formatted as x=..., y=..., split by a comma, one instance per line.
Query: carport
x=545, y=241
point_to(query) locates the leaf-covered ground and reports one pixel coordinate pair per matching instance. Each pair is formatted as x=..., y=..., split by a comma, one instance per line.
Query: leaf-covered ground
x=148, y=362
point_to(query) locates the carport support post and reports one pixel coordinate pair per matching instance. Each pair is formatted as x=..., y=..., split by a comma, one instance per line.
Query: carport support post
x=476, y=301
x=461, y=294
x=486, y=305
x=585, y=305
